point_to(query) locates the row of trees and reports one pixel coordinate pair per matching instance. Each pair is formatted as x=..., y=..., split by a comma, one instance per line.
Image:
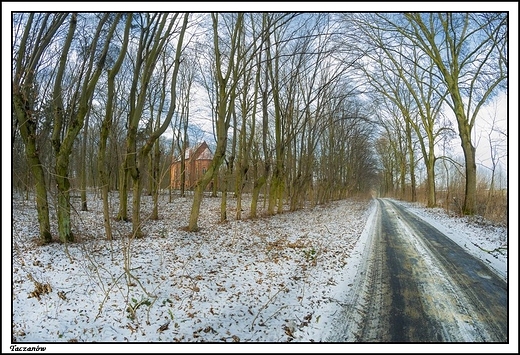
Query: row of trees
x=423, y=69
x=293, y=114
x=285, y=118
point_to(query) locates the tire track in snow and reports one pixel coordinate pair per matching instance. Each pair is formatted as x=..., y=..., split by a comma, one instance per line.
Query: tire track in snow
x=416, y=285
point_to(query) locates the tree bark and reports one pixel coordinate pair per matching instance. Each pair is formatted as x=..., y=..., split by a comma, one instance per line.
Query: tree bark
x=27, y=127
x=106, y=126
x=27, y=58
x=85, y=92
x=226, y=93
x=83, y=168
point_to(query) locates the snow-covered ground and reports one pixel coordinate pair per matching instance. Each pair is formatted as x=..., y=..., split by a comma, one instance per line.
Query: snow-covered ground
x=270, y=280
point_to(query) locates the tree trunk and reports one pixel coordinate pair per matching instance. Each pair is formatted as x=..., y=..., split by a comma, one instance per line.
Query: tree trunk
x=412, y=160
x=123, y=193
x=223, y=203
x=238, y=215
x=195, y=208
x=42, y=205
x=156, y=181
x=106, y=211
x=430, y=172
x=273, y=190
x=281, y=192
x=471, y=178
x=85, y=92
x=258, y=184
x=136, y=207
x=139, y=158
x=200, y=186
x=226, y=95
x=61, y=149
x=27, y=129
x=183, y=168
x=26, y=61
x=83, y=168
x=63, y=207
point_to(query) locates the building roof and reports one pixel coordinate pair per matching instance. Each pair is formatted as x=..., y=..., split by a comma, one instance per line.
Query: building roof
x=200, y=152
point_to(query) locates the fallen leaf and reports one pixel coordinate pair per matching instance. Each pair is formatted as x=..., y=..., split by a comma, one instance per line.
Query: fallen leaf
x=163, y=327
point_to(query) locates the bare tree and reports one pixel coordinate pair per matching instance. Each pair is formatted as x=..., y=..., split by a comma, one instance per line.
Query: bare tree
x=187, y=78
x=406, y=76
x=261, y=158
x=227, y=75
x=107, y=124
x=496, y=154
x=34, y=34
x=69, y=118
x=248, y=104
x=469, y=51
x=155, y=32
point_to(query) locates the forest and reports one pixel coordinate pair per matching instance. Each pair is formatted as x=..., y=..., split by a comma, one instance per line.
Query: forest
x=299, y=109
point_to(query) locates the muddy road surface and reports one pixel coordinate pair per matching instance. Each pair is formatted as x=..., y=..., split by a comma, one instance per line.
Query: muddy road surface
x=417, y=285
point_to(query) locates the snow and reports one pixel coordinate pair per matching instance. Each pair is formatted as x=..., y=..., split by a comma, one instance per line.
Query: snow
x=484, y=240
x=271, y=280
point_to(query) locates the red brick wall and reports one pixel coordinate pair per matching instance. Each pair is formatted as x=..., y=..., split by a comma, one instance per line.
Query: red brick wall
x=194, y=171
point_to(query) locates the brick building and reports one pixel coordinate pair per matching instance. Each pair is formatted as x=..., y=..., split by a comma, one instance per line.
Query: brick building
x=197, y=161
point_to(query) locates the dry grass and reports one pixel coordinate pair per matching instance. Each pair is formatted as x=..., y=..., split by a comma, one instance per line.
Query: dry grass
x=491, y=206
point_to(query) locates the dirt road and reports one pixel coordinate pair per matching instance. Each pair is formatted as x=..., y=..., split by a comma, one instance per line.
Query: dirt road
x=416, y=285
